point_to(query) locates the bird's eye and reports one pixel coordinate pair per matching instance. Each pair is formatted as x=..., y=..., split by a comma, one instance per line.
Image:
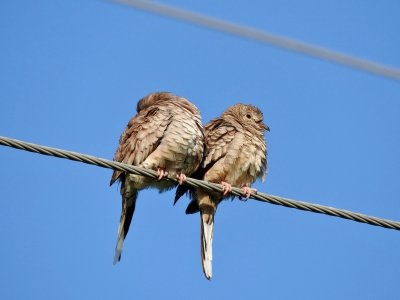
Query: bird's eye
x=248, y=116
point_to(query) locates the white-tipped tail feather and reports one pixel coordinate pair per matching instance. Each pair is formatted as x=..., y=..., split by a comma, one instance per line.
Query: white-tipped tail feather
x=207, y=229
x=120, y=244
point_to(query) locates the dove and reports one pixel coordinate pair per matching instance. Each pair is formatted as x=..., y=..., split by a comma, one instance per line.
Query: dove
x=236, y=155
x=166, y=135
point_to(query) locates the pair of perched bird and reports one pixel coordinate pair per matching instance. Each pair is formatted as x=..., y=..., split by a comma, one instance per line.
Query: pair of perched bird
x=166, y=135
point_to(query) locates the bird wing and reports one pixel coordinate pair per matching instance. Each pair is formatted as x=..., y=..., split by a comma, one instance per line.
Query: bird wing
x=142, y=136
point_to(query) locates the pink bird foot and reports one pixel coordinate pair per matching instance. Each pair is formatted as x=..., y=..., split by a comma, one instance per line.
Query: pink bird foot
x=226, y=188
x=161, y=173
x=248, y=191
x=181, y=178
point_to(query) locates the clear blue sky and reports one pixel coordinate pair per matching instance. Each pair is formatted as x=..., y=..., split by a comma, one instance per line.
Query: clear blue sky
x=71, y=74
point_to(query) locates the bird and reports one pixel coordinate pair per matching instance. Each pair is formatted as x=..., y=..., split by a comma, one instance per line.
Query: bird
x=166, y=135
x=236, y=155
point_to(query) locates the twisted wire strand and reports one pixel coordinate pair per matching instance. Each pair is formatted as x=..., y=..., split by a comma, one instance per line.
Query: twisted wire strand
x=263, y=37
x=105, y=163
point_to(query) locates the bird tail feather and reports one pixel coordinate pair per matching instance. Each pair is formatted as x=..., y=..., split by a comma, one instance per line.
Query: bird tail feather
x=128, y=208
x=207, y=229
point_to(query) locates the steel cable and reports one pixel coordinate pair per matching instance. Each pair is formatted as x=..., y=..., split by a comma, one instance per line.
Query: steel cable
x=105, y=163
x=264, y=37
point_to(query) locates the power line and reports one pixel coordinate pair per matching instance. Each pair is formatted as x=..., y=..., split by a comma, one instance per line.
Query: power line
x=105, y=163
x=264, y=37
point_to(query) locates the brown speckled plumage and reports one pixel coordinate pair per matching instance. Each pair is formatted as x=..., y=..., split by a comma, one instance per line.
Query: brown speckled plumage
x=236, y=153
x=165, y=134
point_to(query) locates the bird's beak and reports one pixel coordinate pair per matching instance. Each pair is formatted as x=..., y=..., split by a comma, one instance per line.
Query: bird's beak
x=266, y=127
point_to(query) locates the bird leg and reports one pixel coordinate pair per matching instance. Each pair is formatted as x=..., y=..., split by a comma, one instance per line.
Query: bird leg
x=161, y=173
x=247, y=192
x=181, y=177
x=226, y=188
